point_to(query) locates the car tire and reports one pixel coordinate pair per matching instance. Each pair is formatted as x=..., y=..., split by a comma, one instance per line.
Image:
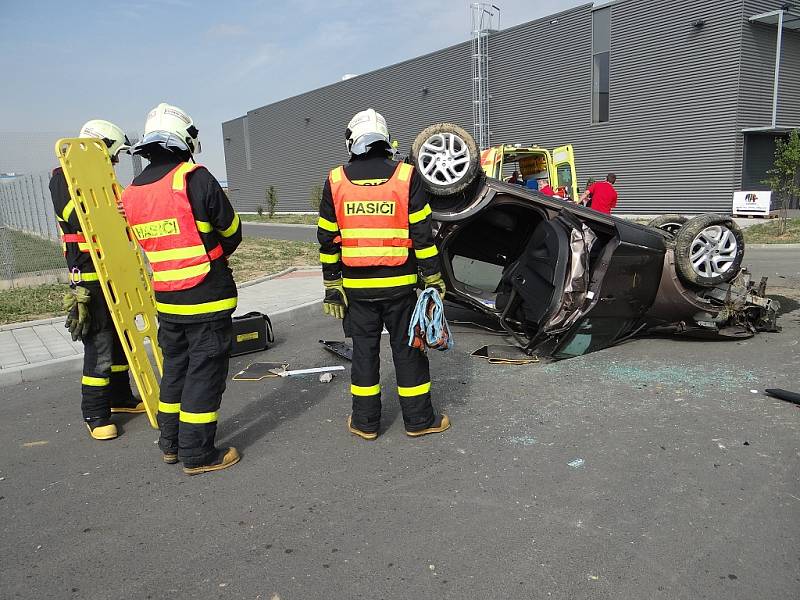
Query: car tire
x=447, y=158
x=669, y=223
x=709, y=250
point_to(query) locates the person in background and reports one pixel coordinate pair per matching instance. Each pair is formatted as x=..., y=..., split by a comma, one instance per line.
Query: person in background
x=515, y=178
x=545, y=188
x=603, y=195
x=105, y=384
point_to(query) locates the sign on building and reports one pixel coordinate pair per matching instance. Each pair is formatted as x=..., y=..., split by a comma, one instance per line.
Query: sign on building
x=751, y=203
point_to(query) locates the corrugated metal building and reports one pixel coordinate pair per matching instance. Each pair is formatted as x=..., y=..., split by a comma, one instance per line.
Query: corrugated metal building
x=674, y=96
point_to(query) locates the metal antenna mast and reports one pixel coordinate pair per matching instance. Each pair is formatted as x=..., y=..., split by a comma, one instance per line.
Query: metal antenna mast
x=485, y=20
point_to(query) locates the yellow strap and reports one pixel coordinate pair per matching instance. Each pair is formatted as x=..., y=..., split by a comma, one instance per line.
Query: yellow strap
x=370, y=390
x=119, y=368
x=83, y=246
x=172, y=408
x=183, y=273
x=329, y=259
x=350, y=252
x=426, y=252
x=198, y=418
x=336, y=174
x=417, y=390
x=420, y=215
x=68, y=208
x=204, y=226
x=331, y=226
x=197, y=309
x=95, y=381
x=155, y=256
x=404, y=171
x=83, y=277
x=375, y=233
x=368, y=181
x=232, y=229
x=179, y=178
x=380, y=282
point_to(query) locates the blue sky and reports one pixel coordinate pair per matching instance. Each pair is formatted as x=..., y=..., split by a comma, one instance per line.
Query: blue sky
x=65, y=62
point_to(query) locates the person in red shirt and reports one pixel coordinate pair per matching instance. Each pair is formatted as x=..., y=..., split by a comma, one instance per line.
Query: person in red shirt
x=604, y=196
x=545, y=188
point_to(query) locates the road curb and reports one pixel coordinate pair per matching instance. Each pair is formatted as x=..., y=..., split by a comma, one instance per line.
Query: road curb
x=767, y=246
x=23, y=324
x=278, y=224
x=74, y=363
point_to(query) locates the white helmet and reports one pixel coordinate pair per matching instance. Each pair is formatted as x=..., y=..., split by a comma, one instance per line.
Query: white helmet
x=170, y=127
x=115, y=139
x=364, y=129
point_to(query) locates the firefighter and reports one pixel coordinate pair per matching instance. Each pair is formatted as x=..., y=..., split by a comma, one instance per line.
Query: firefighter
x=105, y=383
x=375, y=232
x=187, y=227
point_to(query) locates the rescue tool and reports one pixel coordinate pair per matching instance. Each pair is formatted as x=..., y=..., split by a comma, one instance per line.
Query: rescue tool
x=282, y=372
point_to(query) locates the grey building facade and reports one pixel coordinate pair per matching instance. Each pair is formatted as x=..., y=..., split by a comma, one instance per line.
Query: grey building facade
x=674, y=96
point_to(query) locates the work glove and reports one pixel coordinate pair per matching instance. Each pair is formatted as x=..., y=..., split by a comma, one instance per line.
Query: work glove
x=435, y=281
x=76, y=303
x=335, y=302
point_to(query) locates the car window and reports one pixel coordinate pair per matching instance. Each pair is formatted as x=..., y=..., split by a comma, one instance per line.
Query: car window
x=590, y=335
x=476, y=273
x=565, y=176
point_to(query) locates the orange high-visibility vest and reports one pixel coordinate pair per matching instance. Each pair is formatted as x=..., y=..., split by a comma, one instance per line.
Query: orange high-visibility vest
x=373, y=219
x=162, y=220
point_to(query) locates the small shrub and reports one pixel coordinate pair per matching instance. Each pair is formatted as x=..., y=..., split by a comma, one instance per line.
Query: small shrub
x=316, y=197
x=272, y=201
x=260, y=210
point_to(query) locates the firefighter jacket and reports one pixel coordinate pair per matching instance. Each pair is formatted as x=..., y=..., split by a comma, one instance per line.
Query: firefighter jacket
x=374, y=228
x=73, y=243
x=187, y=227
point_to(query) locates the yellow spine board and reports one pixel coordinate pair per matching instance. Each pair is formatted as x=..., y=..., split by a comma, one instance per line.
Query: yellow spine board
x=122, y=274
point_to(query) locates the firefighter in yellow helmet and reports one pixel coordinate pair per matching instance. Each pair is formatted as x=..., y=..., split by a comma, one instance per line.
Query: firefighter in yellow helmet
x=105, y=383
x=187, y=227
x=375, y=234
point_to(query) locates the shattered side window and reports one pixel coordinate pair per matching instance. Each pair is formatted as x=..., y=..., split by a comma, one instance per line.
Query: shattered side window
x=590, y=335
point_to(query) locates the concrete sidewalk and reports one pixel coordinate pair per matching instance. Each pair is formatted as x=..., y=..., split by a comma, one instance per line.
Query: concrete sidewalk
x=37, y=349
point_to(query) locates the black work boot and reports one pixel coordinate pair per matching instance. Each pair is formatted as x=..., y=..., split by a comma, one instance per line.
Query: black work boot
x=130, y=406
x=440, y=423
x=101, y=428
x=364, y=435
x=222, y=459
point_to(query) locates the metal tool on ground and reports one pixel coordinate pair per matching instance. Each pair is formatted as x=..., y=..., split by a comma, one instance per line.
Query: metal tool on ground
x=342, y=349
x=259, y=370
x=792, y=397
x=428, y=326
x=282, y=372
x=504, y=355
x=119, y=266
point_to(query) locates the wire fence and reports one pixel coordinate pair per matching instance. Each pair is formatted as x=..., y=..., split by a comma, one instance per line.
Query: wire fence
x=30, y=248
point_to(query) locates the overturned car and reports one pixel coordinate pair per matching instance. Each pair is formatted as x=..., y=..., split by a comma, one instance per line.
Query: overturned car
x=565, y=280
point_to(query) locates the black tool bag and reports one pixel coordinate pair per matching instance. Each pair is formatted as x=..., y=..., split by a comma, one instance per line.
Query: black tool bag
x=251, y=333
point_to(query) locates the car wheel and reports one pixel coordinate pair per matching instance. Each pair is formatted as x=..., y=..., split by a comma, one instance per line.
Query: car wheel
x=447, y=158
x=669, y=223
x=709, y=250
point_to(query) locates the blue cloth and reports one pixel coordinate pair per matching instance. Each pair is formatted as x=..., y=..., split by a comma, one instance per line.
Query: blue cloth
x=434, y=326
x=532, y=184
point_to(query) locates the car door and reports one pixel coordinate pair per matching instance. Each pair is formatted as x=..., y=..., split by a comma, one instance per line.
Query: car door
x=532, y=291
x=563, y=172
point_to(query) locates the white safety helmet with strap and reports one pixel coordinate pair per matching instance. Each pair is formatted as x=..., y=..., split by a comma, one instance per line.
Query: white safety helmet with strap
x=364, y=129
x=169, y=127
x=115, y=139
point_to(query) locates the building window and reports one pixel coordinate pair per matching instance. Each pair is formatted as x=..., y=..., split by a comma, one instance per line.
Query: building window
x=601, y=51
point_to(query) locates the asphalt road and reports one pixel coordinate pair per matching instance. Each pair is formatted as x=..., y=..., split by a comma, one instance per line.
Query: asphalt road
x=298, y=233
x=688, y=486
